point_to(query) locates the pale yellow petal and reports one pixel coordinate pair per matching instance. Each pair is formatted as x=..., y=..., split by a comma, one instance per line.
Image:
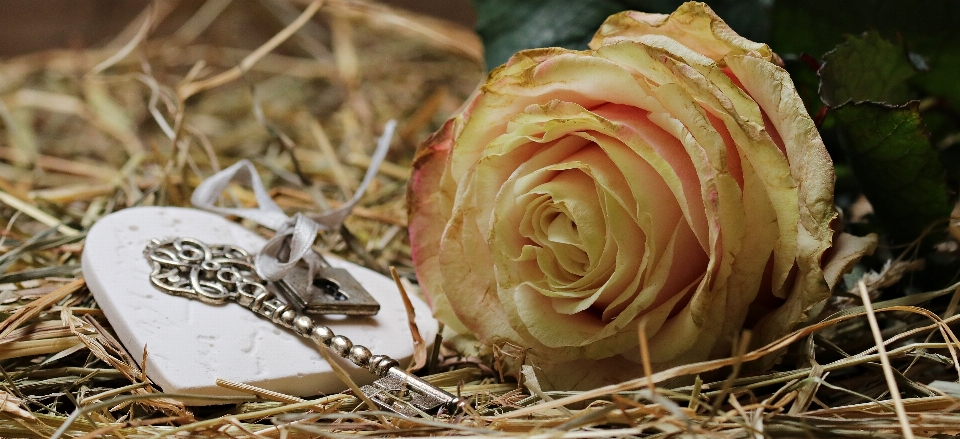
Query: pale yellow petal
x=773, y=90
x=847, y=250
x=693, y=24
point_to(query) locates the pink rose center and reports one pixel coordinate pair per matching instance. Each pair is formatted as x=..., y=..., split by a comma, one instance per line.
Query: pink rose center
x=597, y=229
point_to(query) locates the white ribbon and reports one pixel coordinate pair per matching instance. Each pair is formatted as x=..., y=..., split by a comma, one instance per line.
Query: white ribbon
x=295, y=235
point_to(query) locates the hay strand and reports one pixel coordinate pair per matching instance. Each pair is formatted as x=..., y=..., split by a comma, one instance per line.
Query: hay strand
x=885, y=361
x=187, y=90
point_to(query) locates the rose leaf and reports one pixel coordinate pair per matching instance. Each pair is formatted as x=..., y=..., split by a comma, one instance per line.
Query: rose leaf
x=928, y=28
x=866, y=68
x=898, y=169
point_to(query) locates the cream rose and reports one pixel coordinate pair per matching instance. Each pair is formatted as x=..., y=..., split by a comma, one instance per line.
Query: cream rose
x=669, y=175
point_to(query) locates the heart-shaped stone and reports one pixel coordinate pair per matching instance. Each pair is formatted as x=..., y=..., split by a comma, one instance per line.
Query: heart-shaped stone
x=190, y=344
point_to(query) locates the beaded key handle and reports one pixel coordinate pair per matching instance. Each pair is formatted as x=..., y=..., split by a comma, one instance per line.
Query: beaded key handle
x=215, y=274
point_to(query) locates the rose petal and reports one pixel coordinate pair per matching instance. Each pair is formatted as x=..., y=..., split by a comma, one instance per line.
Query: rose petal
x=567, y=76
x=428, y=211
x=772, y=89
x=847, y=250
x=467, y=277
x=693, y=24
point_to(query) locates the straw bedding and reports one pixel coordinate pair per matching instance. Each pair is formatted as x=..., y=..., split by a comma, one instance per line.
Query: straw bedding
x=304, y=89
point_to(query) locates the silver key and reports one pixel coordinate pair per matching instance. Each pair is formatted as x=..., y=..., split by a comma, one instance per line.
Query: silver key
x=216, y=274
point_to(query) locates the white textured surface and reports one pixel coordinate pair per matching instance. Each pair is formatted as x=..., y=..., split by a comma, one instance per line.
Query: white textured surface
x=190, y=344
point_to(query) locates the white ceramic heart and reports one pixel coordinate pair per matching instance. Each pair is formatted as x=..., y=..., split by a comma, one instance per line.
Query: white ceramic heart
x=190, y=344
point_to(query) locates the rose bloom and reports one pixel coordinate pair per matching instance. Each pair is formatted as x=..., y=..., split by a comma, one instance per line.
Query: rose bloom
x=670, y=176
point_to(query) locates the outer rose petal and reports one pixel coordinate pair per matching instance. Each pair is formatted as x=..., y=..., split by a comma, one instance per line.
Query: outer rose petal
x=846, y=251
x=694, y=25
x=670, y=175
x=429, y=208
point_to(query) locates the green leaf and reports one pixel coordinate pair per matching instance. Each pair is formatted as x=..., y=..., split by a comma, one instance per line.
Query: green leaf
x=898, y=169
x=929, y=29
x=510, y=26
x=866, y=68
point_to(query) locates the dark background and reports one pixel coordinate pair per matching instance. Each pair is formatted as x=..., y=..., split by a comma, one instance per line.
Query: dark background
x=31, y=25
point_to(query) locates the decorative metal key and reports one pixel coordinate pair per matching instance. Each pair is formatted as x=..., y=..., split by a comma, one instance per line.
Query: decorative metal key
x=216, y=274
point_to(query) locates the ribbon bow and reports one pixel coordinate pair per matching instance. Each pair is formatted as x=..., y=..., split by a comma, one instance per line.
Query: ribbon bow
x=295, y=235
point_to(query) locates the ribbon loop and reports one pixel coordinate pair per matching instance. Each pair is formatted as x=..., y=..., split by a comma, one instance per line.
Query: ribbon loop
x=282, y=252
x=295, y=235
x=267, y=213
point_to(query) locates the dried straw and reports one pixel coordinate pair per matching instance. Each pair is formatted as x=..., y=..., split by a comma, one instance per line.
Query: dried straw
x=885, y=361
x=303, y=89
